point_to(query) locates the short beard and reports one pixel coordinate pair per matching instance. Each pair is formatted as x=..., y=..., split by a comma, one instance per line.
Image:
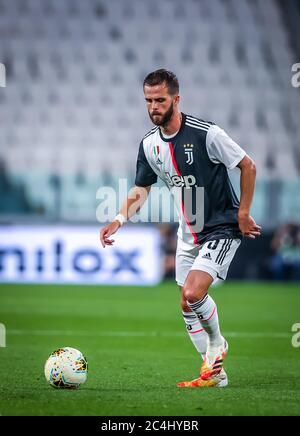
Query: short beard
x=166, y=118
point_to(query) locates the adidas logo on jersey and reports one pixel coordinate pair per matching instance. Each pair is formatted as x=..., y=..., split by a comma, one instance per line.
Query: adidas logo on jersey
x=206, y=256
x=181, y=181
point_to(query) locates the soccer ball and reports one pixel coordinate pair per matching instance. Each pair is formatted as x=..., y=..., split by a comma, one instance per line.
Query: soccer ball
x=66, y=368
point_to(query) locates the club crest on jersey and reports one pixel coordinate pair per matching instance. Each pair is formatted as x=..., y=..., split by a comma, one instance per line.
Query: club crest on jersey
x=190, y=156
x=156, y=151
x=189, y=152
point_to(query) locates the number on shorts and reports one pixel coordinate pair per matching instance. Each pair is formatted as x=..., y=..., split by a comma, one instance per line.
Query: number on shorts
x=213, y=245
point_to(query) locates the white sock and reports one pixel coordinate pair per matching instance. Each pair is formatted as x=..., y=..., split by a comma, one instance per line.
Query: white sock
x=206, y=311
x=196, y=332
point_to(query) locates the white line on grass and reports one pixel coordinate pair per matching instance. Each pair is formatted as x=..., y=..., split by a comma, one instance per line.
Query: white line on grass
x=246, y=335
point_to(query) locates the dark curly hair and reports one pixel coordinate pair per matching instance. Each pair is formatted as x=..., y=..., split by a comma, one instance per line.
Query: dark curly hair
x=160, y=76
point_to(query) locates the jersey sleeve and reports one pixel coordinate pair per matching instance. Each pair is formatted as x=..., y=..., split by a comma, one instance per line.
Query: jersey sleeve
x=222, y=149
x=145, y=176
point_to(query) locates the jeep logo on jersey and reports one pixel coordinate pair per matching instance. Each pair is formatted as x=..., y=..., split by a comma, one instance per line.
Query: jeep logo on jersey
x=181, y=181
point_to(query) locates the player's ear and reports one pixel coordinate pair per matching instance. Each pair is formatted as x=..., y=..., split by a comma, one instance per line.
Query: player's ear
x=176, y=100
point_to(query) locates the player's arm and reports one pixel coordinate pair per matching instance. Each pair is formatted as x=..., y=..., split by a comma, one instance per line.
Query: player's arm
x=133, y=203
x=145, y=177
x=247, y=224
x=221, y=148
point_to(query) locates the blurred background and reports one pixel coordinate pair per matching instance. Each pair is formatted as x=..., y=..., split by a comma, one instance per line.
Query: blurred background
x=72, y=115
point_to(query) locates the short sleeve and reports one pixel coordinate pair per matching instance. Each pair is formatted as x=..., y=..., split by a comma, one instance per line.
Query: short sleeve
x=145, y=176
x=222, y=149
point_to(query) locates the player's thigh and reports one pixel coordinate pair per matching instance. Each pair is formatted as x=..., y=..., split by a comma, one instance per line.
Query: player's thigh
x=211, y=264
x=184, y=262
x=215, y=257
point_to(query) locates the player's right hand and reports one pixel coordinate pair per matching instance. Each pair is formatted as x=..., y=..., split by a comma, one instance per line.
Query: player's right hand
x=107, y=231
x=248, y=226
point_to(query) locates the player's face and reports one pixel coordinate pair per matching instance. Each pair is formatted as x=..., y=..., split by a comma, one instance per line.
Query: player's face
x=160, y=104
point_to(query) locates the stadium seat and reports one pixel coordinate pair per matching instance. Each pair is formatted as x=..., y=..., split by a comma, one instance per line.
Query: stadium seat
x=75, y=71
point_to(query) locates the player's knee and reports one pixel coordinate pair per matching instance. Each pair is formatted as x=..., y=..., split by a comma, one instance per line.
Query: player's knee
x=191, y=294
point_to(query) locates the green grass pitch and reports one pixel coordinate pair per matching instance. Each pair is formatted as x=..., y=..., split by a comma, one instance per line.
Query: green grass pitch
x=137, y=348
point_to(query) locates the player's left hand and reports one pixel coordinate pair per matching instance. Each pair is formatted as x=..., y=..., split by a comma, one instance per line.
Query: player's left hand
x=248, y=226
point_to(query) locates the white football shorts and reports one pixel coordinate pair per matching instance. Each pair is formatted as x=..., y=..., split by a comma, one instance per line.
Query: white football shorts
x=213, y=257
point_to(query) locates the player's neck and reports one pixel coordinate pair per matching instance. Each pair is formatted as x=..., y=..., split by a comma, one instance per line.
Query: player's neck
x=173, y=125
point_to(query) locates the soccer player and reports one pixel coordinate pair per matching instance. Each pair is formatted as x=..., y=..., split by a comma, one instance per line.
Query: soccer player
x=192, y=156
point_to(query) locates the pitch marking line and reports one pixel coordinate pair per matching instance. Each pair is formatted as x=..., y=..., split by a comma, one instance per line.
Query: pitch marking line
x=246, y=335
